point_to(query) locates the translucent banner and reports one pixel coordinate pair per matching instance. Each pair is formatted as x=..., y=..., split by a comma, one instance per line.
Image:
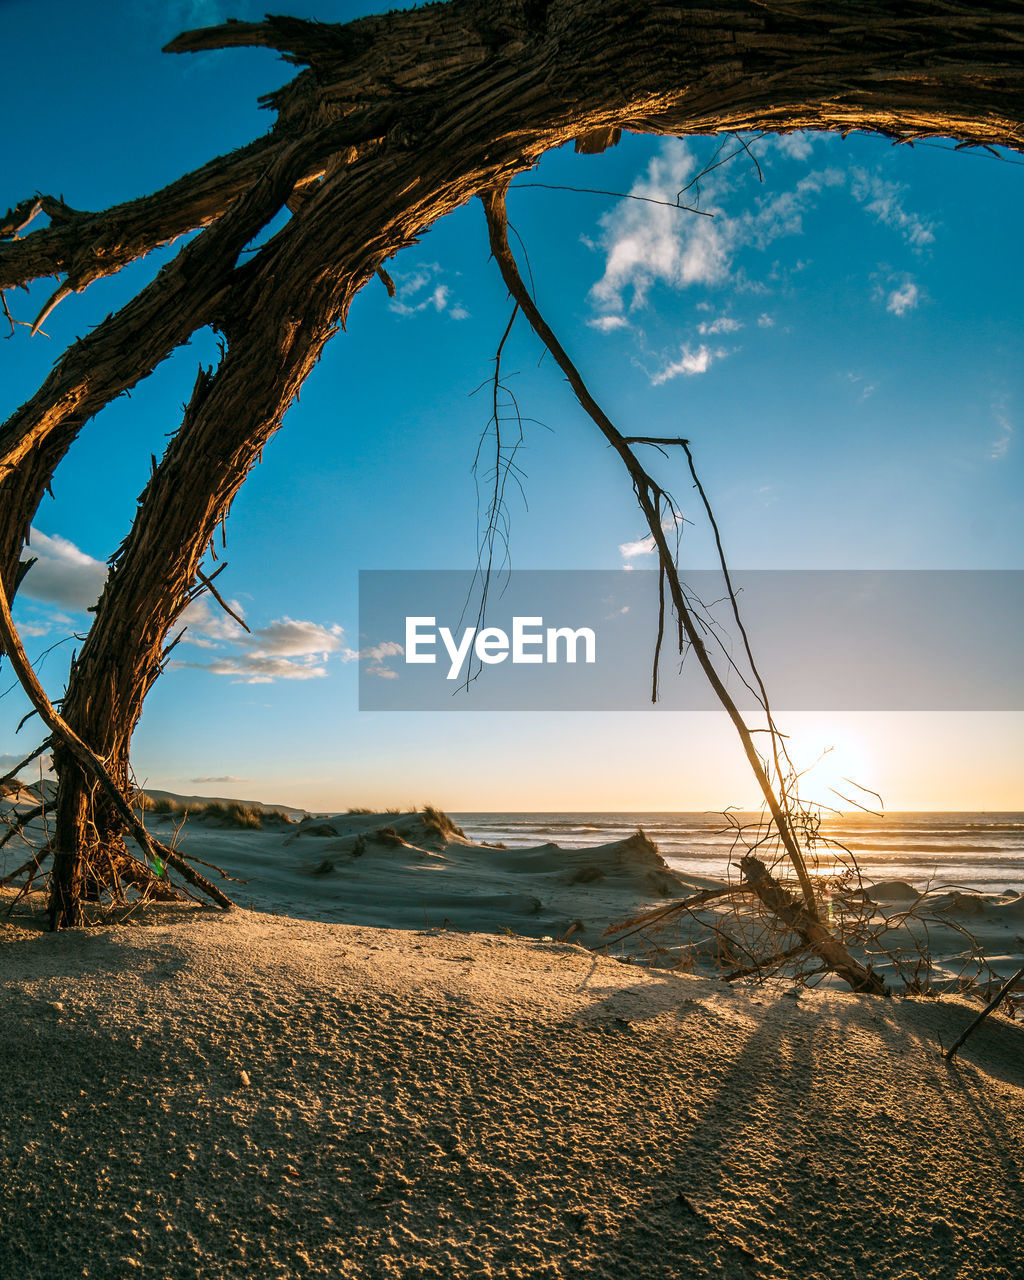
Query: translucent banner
x=824, y=640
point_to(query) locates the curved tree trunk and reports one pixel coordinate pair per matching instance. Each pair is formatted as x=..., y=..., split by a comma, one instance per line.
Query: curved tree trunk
x=399, y=120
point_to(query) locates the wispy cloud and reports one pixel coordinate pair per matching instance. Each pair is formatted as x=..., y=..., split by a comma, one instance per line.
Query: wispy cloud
x=794, y=146
x=902, y=299
x=285, y=649
x=208, y=625
x=782, y=214
x=645, y=243
x=648, y=243
x=376, y=659
x=688, y=364
x=224, y=777
x=860, y=383
x=423, y=290
x=724, y=324
x=642, y=547
x=630, y=551
x=884, y=200
x=608, y=323
x=387, y=649
x=1000, y=446
x=63, y=574
x=260, y=668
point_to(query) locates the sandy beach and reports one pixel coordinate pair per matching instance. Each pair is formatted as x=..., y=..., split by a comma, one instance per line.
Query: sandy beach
x=205, y=1095
x=193, y=1093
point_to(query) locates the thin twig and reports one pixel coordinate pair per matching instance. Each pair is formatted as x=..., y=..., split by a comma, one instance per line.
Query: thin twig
x=208, y=583
x=996, y=1000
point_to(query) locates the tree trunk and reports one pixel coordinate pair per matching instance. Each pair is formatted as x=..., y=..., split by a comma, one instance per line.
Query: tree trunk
x=399, y=120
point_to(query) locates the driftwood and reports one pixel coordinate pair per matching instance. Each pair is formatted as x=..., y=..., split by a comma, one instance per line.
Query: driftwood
x=393, y=122
x=624, y=929
x=813, y=933
x=992, y=1005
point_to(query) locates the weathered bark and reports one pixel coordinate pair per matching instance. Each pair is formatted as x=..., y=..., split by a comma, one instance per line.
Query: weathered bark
x=128, y=345
x=427, y=107
x=71, y=879
x=85, y=246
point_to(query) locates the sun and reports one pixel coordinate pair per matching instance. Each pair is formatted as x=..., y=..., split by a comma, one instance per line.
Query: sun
x=836, y=768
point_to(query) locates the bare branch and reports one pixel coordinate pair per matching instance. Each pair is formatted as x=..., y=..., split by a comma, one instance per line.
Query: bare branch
x=646, y=490
x=208, y=583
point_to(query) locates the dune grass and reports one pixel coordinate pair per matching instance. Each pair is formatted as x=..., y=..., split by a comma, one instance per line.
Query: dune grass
x=245, y=817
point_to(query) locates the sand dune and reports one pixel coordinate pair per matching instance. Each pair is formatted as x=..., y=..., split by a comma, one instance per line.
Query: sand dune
x=418, y=870
x=415, y=870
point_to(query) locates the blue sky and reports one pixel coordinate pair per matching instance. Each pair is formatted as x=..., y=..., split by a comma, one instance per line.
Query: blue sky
x=840, y=342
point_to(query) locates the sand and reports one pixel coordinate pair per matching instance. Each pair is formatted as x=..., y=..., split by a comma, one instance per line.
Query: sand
x=293, y=1091
x=420, y=1104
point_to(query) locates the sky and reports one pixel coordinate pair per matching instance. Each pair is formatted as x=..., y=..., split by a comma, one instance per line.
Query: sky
x=840, y=340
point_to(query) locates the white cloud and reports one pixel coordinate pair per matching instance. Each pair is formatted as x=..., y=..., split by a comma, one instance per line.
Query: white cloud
x=209, y=625
x=288, y=638
x=765, y=321
x=63, y=574
x=32, y=630
x=642, y=547
x=645, y=243
x=421, y=290
x=648, y=243
x=885, y=201
x=858, y=381
x=903, y=299
x=724, y=324
x=387, y=649
x=795, y=146
x=782, y=214
x=607, y=323
x=261, y=668
x=286, y=649
x=378, y=655
x=689, y=363
x=224, y=777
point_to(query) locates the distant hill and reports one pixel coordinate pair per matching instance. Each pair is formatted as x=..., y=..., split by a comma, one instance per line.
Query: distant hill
x=33, y=792
x=197, y=802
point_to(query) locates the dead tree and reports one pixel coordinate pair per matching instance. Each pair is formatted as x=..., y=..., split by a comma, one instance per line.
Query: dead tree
x=393, y=122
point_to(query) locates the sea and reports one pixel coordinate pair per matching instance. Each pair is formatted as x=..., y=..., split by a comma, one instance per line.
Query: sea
x=978, y=851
